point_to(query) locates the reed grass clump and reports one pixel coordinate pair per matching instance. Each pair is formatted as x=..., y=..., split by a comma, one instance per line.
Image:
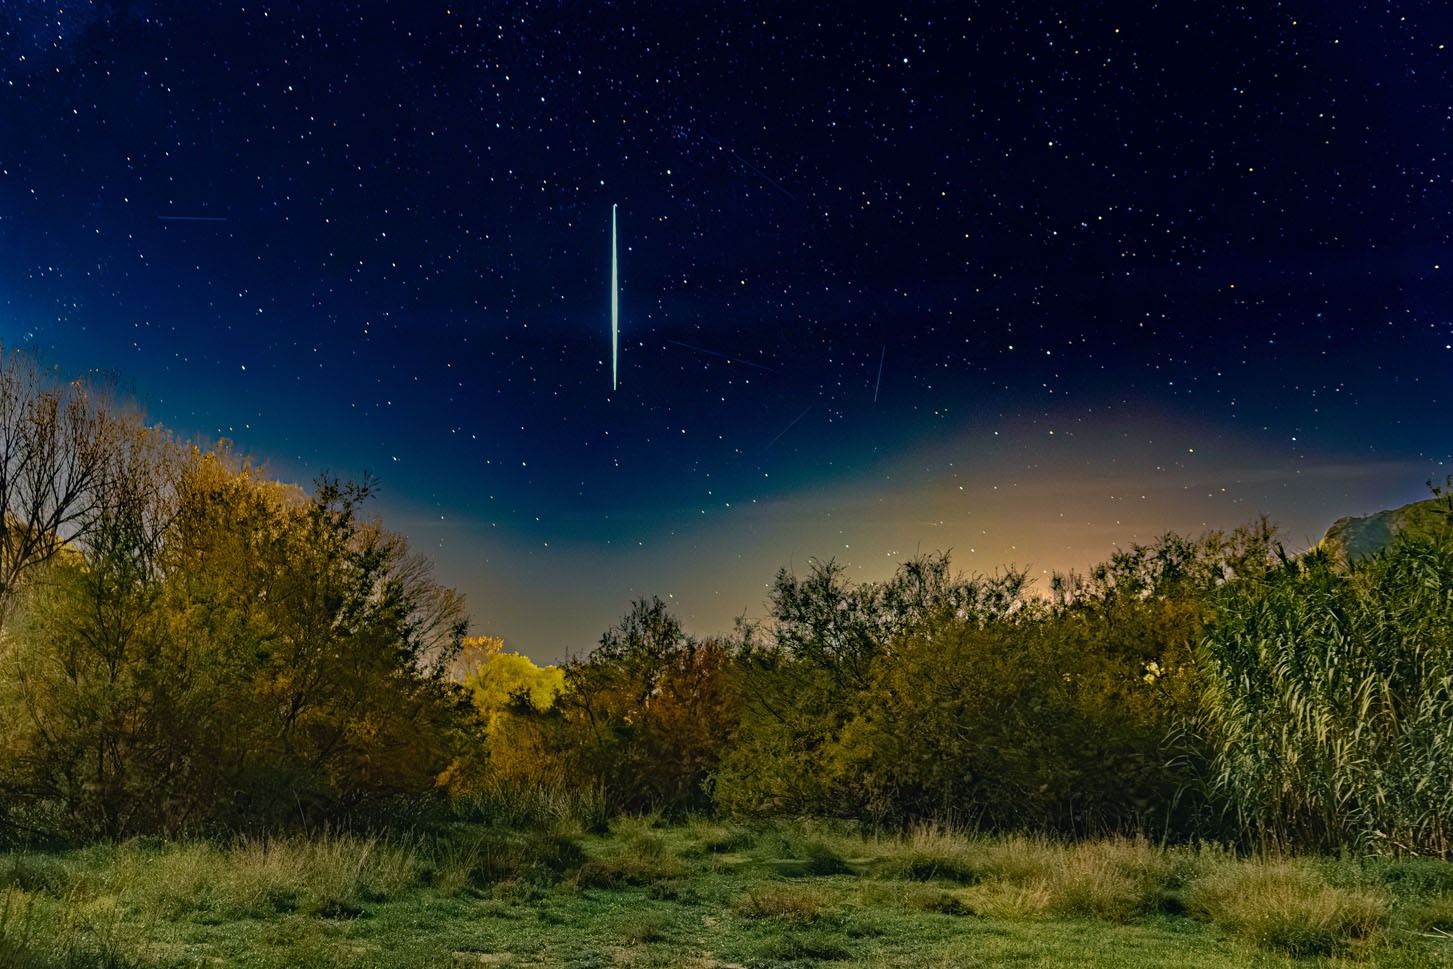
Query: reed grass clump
x=814, y=945
x=479, y=859
x=510, y=804
x=19, y=930
x=37, y=932
x=1329, y=703
x=937, y=900
x=717, y=838
x=1432, y=915
x=32, y=872
x=802, y=848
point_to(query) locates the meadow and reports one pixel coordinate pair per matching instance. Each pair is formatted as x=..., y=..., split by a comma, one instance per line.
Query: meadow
x=710, y=894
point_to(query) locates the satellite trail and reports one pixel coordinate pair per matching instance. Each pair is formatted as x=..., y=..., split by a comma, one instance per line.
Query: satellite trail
x=789, y=427
x=725, y=356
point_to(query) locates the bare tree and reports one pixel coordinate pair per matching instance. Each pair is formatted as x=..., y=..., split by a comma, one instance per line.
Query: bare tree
x=57, y=437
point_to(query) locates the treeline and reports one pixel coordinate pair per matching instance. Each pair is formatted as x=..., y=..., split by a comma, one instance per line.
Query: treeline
x=189, y=647
x=927, y=696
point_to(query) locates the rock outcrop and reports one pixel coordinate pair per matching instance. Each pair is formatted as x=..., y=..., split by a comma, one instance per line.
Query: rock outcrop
x=1354, y=538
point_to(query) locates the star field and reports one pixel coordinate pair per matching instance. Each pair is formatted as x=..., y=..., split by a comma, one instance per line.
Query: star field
x=1027, y=281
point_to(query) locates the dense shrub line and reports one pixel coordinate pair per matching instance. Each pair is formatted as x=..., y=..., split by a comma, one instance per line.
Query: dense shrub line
x=1213, y=688
x=930, y=695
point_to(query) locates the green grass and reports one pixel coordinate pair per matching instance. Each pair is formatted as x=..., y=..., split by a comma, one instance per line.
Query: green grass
x=706, y=894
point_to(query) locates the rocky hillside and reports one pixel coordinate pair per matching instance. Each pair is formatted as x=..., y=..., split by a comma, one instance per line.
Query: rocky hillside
x=1353, y=538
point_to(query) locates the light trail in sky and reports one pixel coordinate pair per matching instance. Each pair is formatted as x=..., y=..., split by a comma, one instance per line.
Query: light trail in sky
x=789, y=427
x=615, y=322
x=725, y=356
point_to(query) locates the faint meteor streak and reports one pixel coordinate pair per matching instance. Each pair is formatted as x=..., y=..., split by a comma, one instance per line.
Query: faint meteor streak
x=879, y=383
x=725, y=356
x=788, y=427
x=751, y=166
x=615, y=323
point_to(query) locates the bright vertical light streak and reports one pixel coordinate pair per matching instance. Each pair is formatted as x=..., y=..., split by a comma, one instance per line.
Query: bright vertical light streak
x=615, y=318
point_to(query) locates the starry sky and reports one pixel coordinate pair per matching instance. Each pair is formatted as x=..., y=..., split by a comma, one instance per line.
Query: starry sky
x=1023, y=281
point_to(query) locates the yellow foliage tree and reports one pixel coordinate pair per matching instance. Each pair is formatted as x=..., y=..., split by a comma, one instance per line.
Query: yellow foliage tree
x=510, y=695
x=221, y=652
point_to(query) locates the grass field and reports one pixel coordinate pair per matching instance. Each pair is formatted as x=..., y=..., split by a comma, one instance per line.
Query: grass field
x=711, y=895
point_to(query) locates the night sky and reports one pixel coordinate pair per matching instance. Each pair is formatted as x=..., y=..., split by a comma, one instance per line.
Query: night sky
x=1026, y=281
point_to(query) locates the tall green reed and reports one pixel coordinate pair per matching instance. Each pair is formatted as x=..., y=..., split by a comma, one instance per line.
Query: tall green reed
x=1329, y=703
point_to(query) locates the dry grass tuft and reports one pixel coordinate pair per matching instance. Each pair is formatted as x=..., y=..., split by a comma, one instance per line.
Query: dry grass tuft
x=933, y=853
x=937, y=900
x=263, y=877
x=1116, y=880
x=1435, y=915
x=1289, y=907
x=783, y=904
x=641, y=859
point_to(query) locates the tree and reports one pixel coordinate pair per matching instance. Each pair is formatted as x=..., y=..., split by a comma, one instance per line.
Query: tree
x=350, y=670
x=512, y=699
x=225, y=651
x=58, y=439
x=89, y=659
x=933, y=695
x=649, y=712
x=818, y=663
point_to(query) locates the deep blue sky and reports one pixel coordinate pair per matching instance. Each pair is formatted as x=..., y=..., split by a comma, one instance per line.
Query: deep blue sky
x=1027, y=281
